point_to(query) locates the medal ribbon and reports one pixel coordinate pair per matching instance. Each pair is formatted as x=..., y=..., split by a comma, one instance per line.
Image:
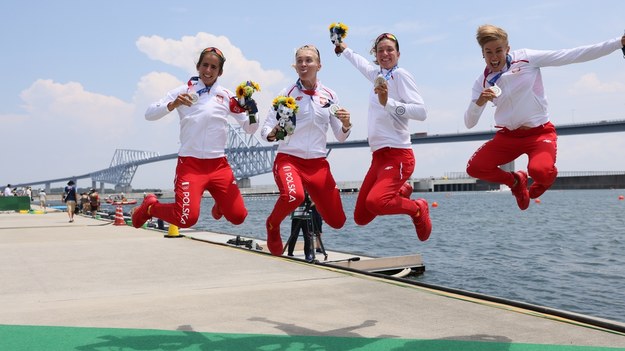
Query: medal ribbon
x=493, y=80
x=388, y=75
x=190, y=84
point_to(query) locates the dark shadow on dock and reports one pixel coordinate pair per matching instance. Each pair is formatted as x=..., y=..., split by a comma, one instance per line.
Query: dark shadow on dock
x=153, y=340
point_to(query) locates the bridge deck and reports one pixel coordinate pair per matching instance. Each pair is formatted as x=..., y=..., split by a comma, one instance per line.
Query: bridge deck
x=250, y=158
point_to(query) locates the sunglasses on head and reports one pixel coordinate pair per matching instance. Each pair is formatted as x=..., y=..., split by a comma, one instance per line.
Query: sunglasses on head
x=385, y=36
x=215, y=50
x=381, y=37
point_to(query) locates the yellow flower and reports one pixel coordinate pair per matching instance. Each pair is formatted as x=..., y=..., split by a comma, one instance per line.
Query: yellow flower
x=290, y=103
x=341, y=29
x=278, y=101
x=287, y=101
x=246, y=89
x=240, y=91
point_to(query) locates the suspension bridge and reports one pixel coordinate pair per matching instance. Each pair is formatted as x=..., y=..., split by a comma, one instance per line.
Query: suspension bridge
x=248, y=157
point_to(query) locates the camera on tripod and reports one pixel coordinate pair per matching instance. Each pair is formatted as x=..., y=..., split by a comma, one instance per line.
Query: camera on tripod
x=305, y=218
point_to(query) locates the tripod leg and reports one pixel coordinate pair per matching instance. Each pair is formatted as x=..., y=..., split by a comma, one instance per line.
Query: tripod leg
x=290, y=244
x=309, y=242
x=286, y=245
x=316, y=227
x=323, y=249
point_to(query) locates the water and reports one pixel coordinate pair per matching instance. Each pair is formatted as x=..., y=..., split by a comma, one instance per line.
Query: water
x=566, y=252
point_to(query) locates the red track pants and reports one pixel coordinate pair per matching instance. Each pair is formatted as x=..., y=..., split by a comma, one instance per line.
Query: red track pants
x=539, y=143
x=193, y=176
x=294, y=174
x=379, y=194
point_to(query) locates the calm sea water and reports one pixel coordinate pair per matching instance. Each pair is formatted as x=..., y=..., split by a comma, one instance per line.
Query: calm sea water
x=566, y=252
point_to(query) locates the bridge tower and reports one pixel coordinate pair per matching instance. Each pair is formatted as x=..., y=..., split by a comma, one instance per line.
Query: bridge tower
x=122, y=168
x=247, y=156
x=245, y=153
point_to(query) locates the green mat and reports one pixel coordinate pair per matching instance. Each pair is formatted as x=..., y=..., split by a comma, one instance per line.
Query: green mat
x=35, y=338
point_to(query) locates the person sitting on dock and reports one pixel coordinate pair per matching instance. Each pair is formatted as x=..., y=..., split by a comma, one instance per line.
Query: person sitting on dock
x=94, y=202
x=84, y=206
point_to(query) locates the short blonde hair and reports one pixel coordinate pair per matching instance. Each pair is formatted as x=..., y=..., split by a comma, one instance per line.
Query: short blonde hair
x=311, y=48
x=487, y=33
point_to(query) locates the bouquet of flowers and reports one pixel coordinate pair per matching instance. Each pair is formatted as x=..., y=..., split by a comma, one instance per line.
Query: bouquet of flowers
x=338, y=32
x=286, y=109
x=244, y=94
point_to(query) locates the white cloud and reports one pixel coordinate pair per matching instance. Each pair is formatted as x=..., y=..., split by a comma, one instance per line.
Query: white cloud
x=48, y=102
x=183, y=53
x=86, y=127
x=590, y=84
x=77, y=130
x=153, y=86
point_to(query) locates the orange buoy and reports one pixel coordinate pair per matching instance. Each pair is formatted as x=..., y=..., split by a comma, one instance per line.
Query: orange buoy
x=621, y=197
x=537, y=201
x=434, y=204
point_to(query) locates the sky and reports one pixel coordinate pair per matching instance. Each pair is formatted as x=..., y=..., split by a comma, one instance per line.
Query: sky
x=77, y=76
